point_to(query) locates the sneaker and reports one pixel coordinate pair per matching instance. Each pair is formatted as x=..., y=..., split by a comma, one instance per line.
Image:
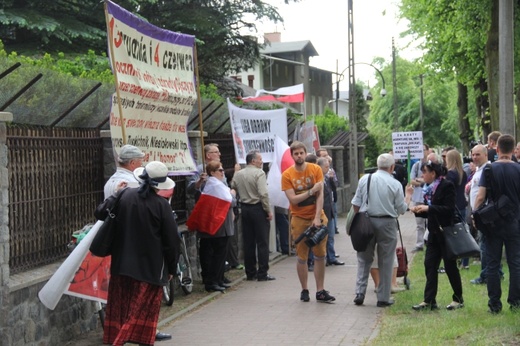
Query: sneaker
x=455, y=305
x=441, y=270
x=311, y=268
x=304, y=296
x=324, y=296
x=238, y=267
x=478, y=281
x=397, y=289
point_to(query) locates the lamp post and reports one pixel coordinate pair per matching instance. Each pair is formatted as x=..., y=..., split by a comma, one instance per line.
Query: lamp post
x=340, y=77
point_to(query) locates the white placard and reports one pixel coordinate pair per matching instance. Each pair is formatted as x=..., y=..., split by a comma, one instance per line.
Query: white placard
x=407, y=141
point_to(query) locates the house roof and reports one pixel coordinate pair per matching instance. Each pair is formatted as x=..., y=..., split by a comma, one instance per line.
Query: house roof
x=288, y=47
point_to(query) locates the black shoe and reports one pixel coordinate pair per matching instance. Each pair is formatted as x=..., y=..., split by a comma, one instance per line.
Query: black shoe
x=324, y=296
x=336, y=263
x=267, y=278
x=336, y=255
x=360, y=299
x=162, y=336
x=251, y=278
x=381, y=304
x=214, y=288
x=304, y=296
x=425, y=306
x=222, y=284
x=226, y=280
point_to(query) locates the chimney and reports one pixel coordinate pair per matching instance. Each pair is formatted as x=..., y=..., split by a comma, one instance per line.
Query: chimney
x=273, y=37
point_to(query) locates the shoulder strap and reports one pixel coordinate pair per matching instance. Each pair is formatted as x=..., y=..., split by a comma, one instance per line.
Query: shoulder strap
x=368, y=185
x=488, y=172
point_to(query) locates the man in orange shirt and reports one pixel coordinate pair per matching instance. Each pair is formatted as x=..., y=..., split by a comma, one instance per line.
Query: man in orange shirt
x=303, y=186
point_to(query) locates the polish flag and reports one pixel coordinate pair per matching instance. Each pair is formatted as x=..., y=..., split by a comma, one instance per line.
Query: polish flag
x=291, y=94
x=212, y=207
x=282, y=160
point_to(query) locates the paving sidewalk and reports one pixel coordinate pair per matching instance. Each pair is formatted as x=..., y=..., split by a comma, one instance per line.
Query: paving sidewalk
x=271, y=313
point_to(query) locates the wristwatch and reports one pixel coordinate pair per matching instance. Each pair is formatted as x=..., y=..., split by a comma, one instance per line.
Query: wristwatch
x=310, y=193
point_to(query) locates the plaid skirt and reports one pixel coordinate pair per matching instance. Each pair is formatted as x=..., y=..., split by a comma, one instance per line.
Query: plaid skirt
x=132, y=311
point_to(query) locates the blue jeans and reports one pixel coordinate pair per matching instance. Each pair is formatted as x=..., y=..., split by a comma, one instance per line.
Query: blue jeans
x=331, y=253
x=507, y=235
x=483, y=259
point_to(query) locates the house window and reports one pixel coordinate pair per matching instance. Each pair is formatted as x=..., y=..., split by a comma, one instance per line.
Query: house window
x=250, y=80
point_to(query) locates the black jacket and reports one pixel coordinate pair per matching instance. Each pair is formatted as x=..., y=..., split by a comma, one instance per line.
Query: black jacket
x=147, y=243
x=442, y=209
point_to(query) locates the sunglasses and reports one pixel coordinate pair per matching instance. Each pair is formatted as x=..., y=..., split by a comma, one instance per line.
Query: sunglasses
x=220, y=169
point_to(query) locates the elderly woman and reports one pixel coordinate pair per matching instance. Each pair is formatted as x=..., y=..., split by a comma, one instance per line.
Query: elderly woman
x=213, y=248
x=439, y=206
x=144, y=258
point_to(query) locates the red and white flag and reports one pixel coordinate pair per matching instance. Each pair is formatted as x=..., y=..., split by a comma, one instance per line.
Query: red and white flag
x=290, y=94
x=212, y=207
x=282, y=160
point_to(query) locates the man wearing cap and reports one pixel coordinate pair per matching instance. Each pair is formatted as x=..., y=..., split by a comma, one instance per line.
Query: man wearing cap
x=129, y=159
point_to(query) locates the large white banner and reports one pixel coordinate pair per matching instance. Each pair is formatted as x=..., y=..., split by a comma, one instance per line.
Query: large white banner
x=256, y=130
x=155, y=75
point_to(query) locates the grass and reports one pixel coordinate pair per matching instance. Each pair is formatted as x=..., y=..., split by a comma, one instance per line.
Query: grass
x=471, y=325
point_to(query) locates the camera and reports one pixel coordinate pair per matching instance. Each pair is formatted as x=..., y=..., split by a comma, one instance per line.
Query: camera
x=313, y=234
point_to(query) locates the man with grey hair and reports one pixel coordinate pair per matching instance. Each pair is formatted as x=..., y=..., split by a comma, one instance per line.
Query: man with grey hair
x=130, y=158
x=385, y=204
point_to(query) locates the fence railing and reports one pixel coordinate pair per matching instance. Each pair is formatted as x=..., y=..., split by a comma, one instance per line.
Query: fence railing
x=55, y=182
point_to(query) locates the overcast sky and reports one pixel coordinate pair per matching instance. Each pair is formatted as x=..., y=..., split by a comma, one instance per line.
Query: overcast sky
x=324, y=23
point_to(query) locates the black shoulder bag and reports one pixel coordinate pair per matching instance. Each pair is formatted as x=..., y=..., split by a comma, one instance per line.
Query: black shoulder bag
x=361, y=230
x=458, y=239
x=102, y=244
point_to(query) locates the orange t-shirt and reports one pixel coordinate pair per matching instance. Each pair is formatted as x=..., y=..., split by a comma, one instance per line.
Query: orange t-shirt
x=301, y=182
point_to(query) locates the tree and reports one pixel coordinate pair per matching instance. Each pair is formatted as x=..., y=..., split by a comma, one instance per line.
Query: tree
x=224, y=29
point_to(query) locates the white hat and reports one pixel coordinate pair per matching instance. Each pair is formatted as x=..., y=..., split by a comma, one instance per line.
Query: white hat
x=158, y=173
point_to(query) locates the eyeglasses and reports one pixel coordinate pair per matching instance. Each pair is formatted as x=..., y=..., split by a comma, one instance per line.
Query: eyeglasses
x=214, y=152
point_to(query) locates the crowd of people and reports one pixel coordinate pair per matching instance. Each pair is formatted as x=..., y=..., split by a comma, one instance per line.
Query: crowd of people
x=441, y=190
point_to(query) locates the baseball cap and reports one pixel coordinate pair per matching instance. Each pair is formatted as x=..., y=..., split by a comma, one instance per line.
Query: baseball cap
x=129, y=152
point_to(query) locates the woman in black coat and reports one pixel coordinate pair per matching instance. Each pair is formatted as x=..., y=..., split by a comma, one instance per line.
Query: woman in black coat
x=439, y=208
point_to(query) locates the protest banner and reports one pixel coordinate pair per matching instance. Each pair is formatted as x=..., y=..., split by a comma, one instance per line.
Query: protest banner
x=407, y=142
x=256, y=130
x=156, y=89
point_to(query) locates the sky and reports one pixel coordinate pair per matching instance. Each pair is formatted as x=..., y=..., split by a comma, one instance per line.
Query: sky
x=324, y=23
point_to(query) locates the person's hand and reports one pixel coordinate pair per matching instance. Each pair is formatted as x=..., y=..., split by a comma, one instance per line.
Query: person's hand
x=269, y=216
x=316, y=222
x=202, y=178
x=233, y=192
x=317, y=187
x=409, y=189
x=122, y=184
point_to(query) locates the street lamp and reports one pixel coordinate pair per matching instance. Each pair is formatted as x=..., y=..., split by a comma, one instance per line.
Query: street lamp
x=341, y=77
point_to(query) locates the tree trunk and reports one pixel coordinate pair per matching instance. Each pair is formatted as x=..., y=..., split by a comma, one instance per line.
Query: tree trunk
x=462, y=105
x=517, y=115
x=482, y=106
x=492, y=66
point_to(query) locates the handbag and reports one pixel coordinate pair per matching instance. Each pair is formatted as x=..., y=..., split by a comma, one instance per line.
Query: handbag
x=361, y=229
x=458, y=240
x=101, y=245
x=496, y=210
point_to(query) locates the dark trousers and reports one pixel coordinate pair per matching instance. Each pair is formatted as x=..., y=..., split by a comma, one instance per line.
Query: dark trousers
x=255, y=236
x=282, y=228
x=212, y=255
x=508, y=236
x=435, y=252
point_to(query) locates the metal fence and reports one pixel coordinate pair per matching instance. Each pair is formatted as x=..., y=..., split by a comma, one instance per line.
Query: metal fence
x=55, y=182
